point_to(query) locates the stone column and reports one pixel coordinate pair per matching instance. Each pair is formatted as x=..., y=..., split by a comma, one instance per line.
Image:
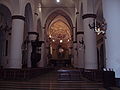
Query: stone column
x=15, y=60
x=44, y=51
x=32, y=36
x=43, y=60
x=74, y=52
x=80, y=49
x=111, y=12
x=90, y=43
x=74, y=49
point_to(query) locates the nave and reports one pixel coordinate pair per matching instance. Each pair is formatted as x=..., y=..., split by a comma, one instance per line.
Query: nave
x=49, y=81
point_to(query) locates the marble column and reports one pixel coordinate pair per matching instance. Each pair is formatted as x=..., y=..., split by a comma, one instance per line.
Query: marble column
x=90, y=43
x=15, y=60
x=111, y=13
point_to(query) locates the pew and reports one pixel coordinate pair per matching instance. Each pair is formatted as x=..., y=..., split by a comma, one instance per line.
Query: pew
x=94, y=75
x=22, y=74
x=107, y=77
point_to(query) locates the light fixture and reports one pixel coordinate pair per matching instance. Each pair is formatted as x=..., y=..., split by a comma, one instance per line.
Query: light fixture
x=99, y=27
x=61, y=41
x=39, y=7
x=53, y=40
x=57, y=1
x=50, y=36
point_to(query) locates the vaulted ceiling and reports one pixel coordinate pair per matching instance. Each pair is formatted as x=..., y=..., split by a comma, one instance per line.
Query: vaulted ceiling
x=59, y=32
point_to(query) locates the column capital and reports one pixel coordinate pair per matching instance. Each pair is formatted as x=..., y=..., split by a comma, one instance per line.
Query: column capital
x=89, y=16
x=18, y=17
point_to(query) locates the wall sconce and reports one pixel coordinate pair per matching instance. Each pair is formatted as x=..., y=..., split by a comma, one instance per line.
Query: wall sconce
x=98, y=27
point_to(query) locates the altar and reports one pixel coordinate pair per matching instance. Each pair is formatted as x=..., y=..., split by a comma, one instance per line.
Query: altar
x=60, y=62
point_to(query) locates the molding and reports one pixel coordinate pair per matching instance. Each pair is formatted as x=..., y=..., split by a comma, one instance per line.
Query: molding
x=89, y=16
x=18, y=17
x=35, y=33
x=74, y=41
x=80, y=32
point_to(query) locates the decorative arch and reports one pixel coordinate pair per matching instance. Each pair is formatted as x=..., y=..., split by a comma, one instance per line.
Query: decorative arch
x=5, y=31
x=6, y=15
x=7, y=5
x=56, y=13
x=63, y=35
x=29, y=17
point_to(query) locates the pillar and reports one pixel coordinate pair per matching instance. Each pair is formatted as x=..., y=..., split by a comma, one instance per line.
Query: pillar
x=35, y=22
x=74, y=49
x=43, y=61
x=90, y=43
x=80, y=49
x=80, y=37
x=75, y=60
x=111, y=12
x=15, y=60
x=32, y=37
x=44, y=51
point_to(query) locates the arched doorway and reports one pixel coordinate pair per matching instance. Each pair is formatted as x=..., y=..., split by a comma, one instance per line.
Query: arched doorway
x=5, y=34
x=59, y=41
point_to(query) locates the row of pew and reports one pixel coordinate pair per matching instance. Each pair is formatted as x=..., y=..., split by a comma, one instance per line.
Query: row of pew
x=22, y=74
x=107, y=77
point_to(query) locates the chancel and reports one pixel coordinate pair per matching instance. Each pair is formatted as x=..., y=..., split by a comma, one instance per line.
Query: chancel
x=59, y=44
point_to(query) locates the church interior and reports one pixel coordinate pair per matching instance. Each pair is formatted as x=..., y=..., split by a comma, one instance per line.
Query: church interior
x=59, y=45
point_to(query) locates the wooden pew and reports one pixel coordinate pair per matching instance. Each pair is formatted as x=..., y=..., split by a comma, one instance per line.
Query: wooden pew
x=94, y=75
x=22, y=74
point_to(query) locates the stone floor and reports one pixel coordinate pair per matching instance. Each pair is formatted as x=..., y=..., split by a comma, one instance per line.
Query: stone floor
x=49, y=81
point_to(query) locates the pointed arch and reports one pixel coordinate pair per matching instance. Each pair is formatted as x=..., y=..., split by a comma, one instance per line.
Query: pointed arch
x=51, y=17
x=5, y=30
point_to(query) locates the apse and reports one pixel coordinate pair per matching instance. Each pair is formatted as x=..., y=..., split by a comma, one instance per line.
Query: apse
x=59, y=37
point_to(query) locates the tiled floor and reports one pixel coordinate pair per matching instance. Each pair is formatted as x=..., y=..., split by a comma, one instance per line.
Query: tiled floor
x=49, y=81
